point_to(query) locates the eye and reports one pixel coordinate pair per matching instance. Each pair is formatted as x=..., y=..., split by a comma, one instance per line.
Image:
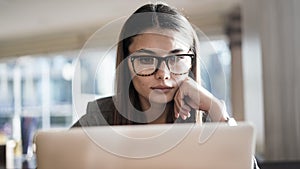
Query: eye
x=174, y=59
x=146, y=60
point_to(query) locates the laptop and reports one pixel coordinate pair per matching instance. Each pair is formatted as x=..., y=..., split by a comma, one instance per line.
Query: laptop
x=189, y=146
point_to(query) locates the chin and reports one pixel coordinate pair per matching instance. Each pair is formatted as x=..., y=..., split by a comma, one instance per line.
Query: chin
x=160, y=99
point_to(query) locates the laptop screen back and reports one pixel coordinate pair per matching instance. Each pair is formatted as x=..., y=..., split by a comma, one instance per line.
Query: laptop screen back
x=189, y=146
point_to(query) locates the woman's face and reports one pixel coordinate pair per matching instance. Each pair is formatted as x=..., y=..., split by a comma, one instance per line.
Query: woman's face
x=161, y=86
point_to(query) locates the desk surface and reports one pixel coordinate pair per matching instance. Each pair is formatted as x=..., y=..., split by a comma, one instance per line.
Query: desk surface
x=279, y=164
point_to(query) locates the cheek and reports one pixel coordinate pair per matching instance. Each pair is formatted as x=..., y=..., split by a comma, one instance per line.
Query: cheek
x=141, y=83
x=179, y=79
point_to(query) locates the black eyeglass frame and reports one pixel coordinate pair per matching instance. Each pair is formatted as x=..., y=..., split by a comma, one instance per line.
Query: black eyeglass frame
x=160, y=59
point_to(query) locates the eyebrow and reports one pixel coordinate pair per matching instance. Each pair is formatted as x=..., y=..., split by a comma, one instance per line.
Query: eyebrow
x=152, y=52
x=175, y=51
x=145, y=51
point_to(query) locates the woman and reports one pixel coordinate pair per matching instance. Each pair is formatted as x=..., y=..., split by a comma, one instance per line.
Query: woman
x=157, y=74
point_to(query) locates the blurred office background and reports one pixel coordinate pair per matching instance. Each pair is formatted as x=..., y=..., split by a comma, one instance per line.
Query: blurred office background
x=249, y=57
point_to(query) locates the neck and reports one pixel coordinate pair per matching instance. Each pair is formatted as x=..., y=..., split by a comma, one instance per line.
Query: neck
x=162, y=117
x=156, y=113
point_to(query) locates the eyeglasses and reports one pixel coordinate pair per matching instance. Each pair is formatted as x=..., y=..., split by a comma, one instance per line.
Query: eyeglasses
x=147, y=65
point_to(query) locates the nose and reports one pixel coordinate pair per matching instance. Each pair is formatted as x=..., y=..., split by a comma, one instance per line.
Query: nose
x=163, y=72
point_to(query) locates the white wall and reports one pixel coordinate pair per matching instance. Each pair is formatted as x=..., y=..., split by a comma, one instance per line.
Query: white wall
x=252, y=71
x=272, y=37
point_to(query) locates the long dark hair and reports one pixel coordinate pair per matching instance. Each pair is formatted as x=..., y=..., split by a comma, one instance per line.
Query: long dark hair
x=149, y=16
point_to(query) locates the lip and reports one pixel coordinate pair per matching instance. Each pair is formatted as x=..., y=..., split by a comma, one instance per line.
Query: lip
x=162, y=88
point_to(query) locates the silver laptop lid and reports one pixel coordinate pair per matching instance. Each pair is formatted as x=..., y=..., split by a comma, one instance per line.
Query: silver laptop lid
x=210, y=146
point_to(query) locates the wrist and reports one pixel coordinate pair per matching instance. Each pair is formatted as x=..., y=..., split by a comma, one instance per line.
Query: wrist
x=218, y=111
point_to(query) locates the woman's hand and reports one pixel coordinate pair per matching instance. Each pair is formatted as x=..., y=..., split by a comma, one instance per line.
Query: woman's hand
x=192, y=95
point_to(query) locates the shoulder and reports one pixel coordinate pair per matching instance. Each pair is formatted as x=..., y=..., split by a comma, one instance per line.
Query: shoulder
x=105, y=104
x=102, y=107
x=99, y=112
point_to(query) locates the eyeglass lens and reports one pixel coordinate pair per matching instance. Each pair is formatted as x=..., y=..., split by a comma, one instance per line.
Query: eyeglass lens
x=147, y=65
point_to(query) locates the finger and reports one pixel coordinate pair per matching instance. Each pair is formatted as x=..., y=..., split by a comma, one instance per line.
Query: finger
x=183, y=116
x=186, y=108
x=182, y=111
x=177, y=108
x=176, y=111
x=185, y=112
x=178, y=98
x=178, y=103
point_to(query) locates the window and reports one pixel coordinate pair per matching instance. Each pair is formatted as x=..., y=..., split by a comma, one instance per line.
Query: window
x=37, y=90
x=216, y=69
x=36, y=93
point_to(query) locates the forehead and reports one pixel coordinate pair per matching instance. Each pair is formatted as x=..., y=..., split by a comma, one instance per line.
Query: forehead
x=158, y=41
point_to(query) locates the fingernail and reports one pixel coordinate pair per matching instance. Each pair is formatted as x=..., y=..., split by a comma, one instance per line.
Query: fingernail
x=189, y=115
